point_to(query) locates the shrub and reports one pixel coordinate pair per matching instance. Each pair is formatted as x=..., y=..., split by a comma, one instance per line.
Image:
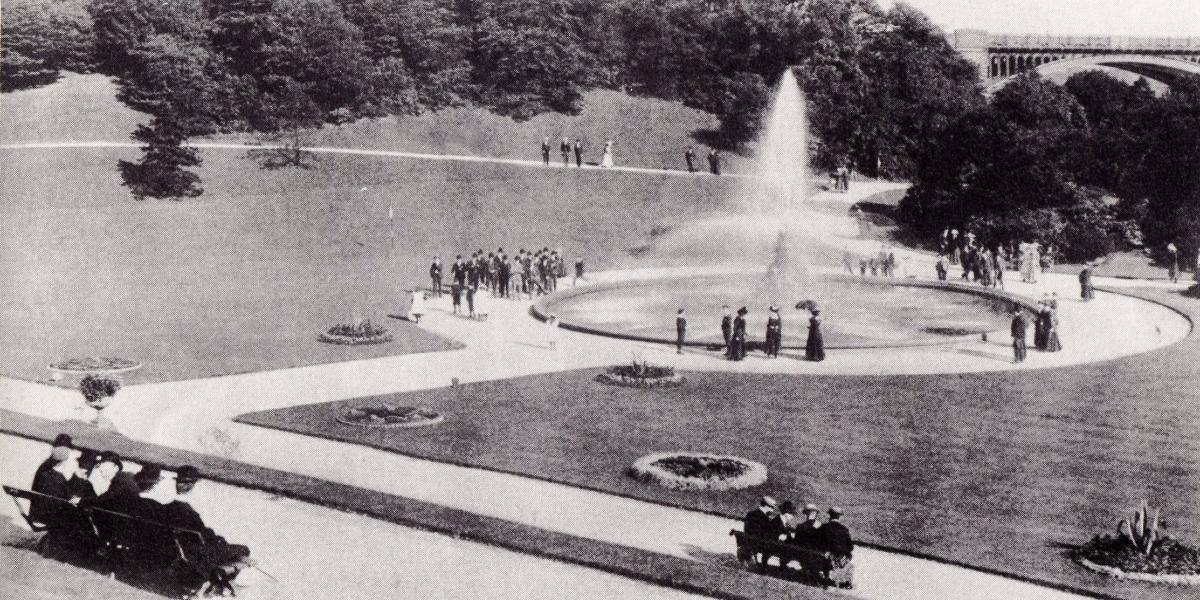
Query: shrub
x=96, y=388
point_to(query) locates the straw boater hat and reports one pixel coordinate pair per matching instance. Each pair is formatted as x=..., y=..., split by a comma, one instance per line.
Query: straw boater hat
x=774, y=308
x=811, y=508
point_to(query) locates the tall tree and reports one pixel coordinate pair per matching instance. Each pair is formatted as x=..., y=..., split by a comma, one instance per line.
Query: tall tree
x=42, y=38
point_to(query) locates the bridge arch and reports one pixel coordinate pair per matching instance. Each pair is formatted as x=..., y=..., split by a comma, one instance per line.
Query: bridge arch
x=1165, y=69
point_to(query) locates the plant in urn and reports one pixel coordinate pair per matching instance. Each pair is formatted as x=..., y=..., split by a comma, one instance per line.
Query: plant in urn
x=98, y=393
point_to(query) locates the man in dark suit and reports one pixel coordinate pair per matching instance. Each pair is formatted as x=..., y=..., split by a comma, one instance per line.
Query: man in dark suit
x=689, y=155
x=763, y=523
x=214, y=552
x=727, y=329
x=62, y=440
x=565, y=149
x=1018, y=334
x=458, y=271
x=714, y=161
x=836, y=541
x=435, y=276
x=680, y=331
x=578, y=152
x=53, y=482
x=546, y=150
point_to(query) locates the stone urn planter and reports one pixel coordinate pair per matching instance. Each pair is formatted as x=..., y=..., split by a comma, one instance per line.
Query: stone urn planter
x=98, y=392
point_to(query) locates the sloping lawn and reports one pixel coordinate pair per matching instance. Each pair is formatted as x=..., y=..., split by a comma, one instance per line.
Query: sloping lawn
x=997, y=470
x=245, y=277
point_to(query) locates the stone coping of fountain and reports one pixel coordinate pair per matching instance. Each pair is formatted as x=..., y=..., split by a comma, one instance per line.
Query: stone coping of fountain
x=540, y=308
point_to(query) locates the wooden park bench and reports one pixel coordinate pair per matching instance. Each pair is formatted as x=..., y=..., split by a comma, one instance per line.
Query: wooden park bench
x=126, y=545
x=814, y=566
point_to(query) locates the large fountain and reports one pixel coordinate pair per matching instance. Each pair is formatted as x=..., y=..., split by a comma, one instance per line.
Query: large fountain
x=774, y=247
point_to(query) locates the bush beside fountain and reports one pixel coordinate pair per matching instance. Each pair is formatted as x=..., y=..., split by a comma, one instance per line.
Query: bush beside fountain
x=1141, y=552
x=698, y=471
x=640, y=375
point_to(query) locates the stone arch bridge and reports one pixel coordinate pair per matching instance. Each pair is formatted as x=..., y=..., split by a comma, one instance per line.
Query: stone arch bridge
x=1000, y=57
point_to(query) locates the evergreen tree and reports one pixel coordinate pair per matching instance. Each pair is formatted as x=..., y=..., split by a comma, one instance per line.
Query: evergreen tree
x=161, y=172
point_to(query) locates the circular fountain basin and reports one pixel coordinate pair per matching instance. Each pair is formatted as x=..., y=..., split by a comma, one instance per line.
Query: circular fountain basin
x=855, y=312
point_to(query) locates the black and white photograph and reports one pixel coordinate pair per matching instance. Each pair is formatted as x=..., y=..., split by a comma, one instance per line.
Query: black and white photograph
x=600, y=299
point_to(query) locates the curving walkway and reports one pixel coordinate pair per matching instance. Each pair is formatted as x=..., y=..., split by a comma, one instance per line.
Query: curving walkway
x=196, y=414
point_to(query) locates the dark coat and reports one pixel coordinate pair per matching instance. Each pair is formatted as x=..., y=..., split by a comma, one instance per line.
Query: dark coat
x=761, y=525
x=815, y=348
x=808, y=534
x=727, y=328
x=835, y=539
x=1018, y=327
x=48, y=512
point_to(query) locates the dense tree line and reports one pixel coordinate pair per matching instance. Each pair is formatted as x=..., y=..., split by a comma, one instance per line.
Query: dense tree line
x=1089, y=166
x=879, y=82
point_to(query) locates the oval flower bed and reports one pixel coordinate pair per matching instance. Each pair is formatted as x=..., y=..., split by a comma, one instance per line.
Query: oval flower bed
x=640, y=375
x=363, y=332
x=390, y=416
x=96, y=364
x=698, y=471
x=1170, y=562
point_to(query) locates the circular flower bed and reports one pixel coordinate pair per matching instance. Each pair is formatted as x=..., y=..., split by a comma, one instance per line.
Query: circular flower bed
x=696, y=471
x=1169, y=562
x=640, y=375
x=390, y=416
x=363, y=332
x=96, y=364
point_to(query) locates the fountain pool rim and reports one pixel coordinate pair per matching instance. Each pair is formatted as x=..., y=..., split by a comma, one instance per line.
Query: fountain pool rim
x=540, y=309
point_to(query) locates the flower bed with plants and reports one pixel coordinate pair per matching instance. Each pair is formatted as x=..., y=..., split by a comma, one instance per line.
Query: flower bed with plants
x=640, y=375
x=96, y=364
x=1140, y=552
x=698, y=471
x=390, y=416
x=363, y=332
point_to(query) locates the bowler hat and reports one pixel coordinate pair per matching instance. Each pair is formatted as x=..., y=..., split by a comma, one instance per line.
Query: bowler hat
x=742, y=310
x=147, y=477
x=63, y=440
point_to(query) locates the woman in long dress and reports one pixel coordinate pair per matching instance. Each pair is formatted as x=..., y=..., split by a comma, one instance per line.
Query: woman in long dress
x=739, y=335
x=814, y=350
x=1041, y=325
x=1086, y=291
x=1053, y=344
x=607, y=160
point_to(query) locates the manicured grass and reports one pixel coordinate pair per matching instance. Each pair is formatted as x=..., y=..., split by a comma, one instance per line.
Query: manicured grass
x=245, y=277
x=998, y=470
x=1128, y=264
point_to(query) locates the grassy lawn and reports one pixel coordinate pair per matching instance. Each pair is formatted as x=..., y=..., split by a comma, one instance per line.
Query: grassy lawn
x=998, y=470
x=645, y=132
x=243, y=278
x=1131, y=263
x=25, y=574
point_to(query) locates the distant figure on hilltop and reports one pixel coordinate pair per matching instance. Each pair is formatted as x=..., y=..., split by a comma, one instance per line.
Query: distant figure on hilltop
x=714, y=161
x=546, y=150
x=689, y=155
x=1172, y=263
x=578, y=153
x=565, y=149
x=607, y=160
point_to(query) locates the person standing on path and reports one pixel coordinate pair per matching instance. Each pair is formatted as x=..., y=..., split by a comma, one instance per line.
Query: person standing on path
x=578, y=271
x=1086, y=291
x=680, y=331
x=1019, y=325
x=471, y=302
x=814, y=350
x=727, y=329
x=774, y=332
x=714, y=161
x=738, y=347
x=940, y=267
x=578, y=153
x=546, y=150
x=1172, y=263
x=416, y=307
x=1053, y=343
x=435, y=276
x=565, y=149
x=606, y=161
x=689, y=155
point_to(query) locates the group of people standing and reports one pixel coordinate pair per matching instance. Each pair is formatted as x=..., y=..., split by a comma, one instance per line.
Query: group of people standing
x=733, y=332
x=714, y=160
x=125, y=506
x=881, y=264
x=566, y=148
x=529, y=273
x=1045, y=328
x=829, y=544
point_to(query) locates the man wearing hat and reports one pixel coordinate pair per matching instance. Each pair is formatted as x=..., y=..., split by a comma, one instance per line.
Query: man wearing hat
x=214, y=552
x=1019, y=325
x=680, y=331
x=763, y=523
x=53, y=482
x=808, y=536
x=62, y=440
x=727, y=330
x=836, y=542
x=774, y=332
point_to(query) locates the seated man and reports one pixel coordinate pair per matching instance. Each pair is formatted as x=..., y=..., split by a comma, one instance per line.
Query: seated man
x=836, y=542
x=129, y=520
x=808, y=536
x=213, y=552
x=52, y=479
x=763, y=523
x=62, y=440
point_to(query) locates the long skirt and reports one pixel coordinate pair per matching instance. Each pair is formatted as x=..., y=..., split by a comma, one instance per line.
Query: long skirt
x=1087, y=292
x=1052, y=342
x=1039, y=335
x=814, y=350
x=739, y=349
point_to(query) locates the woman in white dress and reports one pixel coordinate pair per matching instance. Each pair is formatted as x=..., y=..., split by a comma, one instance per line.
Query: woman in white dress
x=607, y=160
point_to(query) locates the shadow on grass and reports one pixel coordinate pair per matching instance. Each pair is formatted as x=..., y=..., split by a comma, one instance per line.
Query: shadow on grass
x=723, y=559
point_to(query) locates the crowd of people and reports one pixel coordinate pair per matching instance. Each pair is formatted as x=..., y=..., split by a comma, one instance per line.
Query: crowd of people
x=131, y=508
x=528, y=274
x=829, y=544
x=1045, y=328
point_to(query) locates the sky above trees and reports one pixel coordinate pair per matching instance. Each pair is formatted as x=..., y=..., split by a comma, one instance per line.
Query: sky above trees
x=1076, y=17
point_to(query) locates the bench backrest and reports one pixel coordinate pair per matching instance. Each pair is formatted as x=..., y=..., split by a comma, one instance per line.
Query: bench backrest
x=773, y=547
